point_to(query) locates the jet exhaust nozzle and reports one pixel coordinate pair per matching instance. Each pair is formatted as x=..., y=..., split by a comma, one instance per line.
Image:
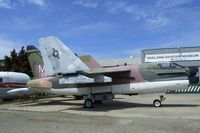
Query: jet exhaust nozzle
x=192, y=75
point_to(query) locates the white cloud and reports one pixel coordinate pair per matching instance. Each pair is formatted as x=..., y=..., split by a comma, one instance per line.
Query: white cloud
x=28, y=23
x=143, y=13
x=127, y=8
x=184, y=39
x=96, y=26
x=36, y=2
x=5, y=4
x=153, y=15
x=172, y=3
x=158, y=21
x=136, y=12
x=7, y=46
x=9, y=4
x=86, y=3
x=21, y=24
x=88, y=28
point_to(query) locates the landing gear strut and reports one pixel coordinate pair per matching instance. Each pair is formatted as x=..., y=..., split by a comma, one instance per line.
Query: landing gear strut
x=158, y=102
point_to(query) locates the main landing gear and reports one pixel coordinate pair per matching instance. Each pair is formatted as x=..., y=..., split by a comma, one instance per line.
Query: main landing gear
x=94, y=99
x=157, y=102
x=91, y=100
x=89, y=103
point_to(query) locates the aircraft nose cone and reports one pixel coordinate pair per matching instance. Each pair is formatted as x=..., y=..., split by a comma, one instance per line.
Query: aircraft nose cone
x=40, y=83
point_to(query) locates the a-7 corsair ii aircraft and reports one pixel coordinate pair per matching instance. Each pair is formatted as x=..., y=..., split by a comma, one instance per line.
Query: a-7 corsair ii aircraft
x=71, y=75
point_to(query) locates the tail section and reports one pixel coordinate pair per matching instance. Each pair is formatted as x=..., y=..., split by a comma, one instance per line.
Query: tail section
x=59, y=58
x=36, y=62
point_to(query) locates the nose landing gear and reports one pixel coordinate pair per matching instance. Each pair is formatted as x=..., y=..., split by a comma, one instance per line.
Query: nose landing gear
x=158, y=102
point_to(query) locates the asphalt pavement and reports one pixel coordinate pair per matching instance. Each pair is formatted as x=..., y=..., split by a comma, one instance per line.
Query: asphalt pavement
x=179, y=114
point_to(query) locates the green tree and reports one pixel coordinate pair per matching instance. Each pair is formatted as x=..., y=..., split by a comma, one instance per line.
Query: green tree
x=7, y=64
x=17, y=62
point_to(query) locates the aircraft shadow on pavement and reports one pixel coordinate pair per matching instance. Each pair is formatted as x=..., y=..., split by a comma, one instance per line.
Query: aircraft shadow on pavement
x=107, y=106
x=117, y=105
x=49, y=103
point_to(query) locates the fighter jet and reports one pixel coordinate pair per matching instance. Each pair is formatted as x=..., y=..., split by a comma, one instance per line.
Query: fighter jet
x=9, y=81
x=68, y=74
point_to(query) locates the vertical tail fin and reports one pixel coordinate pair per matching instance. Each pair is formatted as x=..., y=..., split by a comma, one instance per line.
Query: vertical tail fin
x=36, y=62
x=59, y=58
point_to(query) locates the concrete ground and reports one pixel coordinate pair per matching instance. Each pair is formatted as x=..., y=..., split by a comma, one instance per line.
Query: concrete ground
x=179, y=114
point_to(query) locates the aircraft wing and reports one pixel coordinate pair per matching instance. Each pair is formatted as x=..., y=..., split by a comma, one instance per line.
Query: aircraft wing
x=104, y=75
x=109, y=70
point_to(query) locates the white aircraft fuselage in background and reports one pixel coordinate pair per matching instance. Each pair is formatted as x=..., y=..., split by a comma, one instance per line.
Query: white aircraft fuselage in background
x=10, y=81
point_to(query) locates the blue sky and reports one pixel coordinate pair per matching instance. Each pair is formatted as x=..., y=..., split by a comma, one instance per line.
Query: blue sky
x=102, y=28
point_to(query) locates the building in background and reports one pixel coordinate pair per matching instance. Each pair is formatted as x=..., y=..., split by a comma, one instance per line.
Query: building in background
x=118, y=61
x=183, y=56
x=186, y=56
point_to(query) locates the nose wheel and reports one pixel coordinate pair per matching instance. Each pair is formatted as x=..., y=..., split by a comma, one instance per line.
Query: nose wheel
x=158, y=102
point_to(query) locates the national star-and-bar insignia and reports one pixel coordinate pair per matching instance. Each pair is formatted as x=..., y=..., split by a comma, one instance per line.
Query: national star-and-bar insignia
x=56, y=53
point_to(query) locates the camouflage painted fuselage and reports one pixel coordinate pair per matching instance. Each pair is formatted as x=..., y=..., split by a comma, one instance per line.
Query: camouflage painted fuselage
x=83, y=75
x=125, y=79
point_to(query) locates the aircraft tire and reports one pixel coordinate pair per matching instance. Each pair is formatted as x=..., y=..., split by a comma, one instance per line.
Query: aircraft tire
x=156, y=103
x=88, y=103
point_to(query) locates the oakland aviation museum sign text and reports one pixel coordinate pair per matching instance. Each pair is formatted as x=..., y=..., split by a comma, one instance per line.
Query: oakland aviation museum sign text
x=172, y=57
